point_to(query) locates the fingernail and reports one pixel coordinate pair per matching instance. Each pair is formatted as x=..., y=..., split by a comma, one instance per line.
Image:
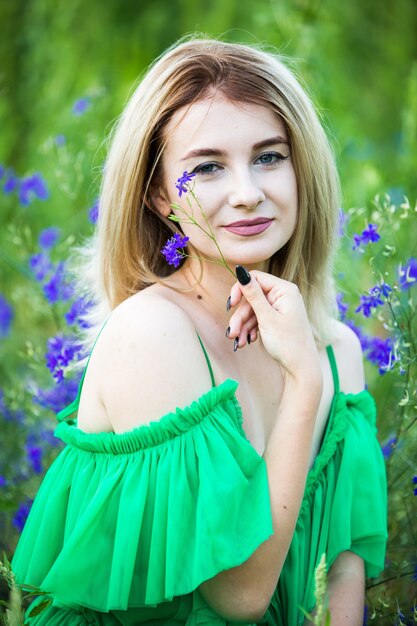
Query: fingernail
x=248, y=339
x=235, y=344
x=227, y=331
x=242, y=275
x=229, y=303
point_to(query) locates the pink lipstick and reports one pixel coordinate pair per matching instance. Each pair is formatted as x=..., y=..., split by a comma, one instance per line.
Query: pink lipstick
x=249, y=227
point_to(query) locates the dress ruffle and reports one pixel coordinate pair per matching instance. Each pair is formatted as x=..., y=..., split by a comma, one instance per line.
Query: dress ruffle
x=137, y=519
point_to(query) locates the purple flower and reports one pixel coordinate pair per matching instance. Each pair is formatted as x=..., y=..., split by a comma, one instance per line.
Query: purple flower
x=61, y=351
x=11, y=183
x=381, y=352
x=58, y=396
x=2, y=170
x=408, y=274
x=41, y=265
x=60, y=140
x=32, y=187
x=78, y=309
x=58, y=287
x=6, y=316
x=388, y=448
x=415, y=483
x=34, y=456
x=3, y=481
x=373, y=299
x=8, y=414
x=93, y=213
x=81, y=106
x=21, y=514
x=369, y=235
x=182, y=181
x=342, y=306
x=170, y=250
x=48, y=237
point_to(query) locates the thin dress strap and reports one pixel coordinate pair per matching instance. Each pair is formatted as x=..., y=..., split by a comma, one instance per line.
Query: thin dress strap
x=71, y=408
x=213, y=384
x=333, y=365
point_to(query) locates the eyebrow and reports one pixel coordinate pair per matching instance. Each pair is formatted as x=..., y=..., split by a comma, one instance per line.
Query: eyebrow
x=211, y=152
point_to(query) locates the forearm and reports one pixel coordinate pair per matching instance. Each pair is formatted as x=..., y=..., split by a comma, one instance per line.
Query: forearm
x=287, y=456
x=347, y=590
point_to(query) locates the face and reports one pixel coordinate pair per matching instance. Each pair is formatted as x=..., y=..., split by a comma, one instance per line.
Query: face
x=244, y=179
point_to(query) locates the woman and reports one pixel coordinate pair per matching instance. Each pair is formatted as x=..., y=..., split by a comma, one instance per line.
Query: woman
x=220, y=511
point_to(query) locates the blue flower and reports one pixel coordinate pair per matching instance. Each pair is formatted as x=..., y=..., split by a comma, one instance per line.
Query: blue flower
x=41, y=265
x=93, y=213
x=342, y=306
x=78, y=309
x=34, y=456
x=388, y=448
x=58, y=287
x=62, y=350
x=6, y=317
x=21, y=514
x=373, y=299
x=369, y=235
x=182, y=181
x=60, y=140
x=32, y=187
x=48, y=237
x=415, y=483
x=408, y=274
x=170, y=250
x=81, y=106
x=11, y=182
x=3, y=481
x=58, y=396
x=7, y=413
x=381, y=352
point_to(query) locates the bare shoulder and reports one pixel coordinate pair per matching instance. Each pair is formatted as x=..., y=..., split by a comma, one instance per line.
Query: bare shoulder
x=151, y=361
x=349, y=358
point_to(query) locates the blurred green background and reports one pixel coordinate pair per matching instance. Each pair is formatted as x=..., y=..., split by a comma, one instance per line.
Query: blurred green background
x=358, y=60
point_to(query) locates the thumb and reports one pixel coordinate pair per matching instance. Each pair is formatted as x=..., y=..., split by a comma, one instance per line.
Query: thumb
x=253, y=292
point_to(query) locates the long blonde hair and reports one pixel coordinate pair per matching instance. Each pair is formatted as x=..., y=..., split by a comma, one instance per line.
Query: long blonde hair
x=124, y=257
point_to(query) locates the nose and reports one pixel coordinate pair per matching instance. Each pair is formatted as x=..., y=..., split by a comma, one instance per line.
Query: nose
x=245, y=192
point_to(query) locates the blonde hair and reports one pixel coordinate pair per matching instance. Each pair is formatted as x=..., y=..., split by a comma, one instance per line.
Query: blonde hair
x=124, y=256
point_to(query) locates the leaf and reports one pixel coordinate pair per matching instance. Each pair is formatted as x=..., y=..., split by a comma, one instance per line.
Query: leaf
x=6, y=561
x=173, y=218
x=40, y=607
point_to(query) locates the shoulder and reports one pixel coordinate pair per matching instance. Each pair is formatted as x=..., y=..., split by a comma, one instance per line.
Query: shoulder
x=349, y=358
x=151, y=361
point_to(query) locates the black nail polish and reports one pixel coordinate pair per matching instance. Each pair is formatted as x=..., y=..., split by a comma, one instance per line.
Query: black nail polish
x=235, y=344
x=242, y=275
x=228, y=331
x=229, y=303
x=248, y=339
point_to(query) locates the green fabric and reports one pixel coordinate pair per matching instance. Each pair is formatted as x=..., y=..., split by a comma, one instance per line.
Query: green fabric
x=125, y=527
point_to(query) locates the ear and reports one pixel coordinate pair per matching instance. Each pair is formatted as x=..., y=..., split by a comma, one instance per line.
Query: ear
x=160, y=202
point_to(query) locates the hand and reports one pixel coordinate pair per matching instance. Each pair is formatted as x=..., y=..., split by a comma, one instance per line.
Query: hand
x=274, y=307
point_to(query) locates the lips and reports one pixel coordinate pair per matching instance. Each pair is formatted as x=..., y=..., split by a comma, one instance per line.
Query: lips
x=249, y=227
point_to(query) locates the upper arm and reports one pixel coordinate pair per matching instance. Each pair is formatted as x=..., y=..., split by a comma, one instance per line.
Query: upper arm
x=349, y=358
x=151, y=362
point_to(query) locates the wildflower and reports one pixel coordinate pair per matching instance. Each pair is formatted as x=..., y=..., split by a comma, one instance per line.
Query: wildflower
x=61, y=351
x=170, y=250
x=415, y=483
x=7, y=413
x=58, y=396
x=48, y=237
x=58, y=287
x=2, y=170
x=369, y=235
x=342, y=306
x=34, y=456
x=373, y=299
x=32, y=187
x=3, y=481
x=388, y=448
x=75, y=315
x=408, y=274
x=93, y=213
x=60, y=140
x=21, y=514
x=81, y=106
x=6, y=316
x=381, y=352
x=41, y=265
x=11, y=182
x=182, y=181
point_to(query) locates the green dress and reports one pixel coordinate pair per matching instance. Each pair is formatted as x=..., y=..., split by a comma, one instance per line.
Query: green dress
x=125, y=527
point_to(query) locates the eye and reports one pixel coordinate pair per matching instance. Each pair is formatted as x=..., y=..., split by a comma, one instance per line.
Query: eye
x=206, y=169
x=271, y=158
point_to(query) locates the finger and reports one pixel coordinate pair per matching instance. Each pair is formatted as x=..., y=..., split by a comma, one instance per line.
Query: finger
x=246, y=330
x=239, y=318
